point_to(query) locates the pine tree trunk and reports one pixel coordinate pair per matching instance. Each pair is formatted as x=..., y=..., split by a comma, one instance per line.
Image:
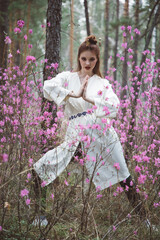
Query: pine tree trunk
x=53, y=35
x=3, y=29
x=155, y=20
x=116, y=40
x=53, y=40
x=125, y=66
x=128, y=147
x=87, y=17
x=136, y=36
x=71, y=34
x=106, y=50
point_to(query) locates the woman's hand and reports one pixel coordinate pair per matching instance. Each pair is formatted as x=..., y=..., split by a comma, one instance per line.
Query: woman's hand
x=81, y=90
x=85, y=91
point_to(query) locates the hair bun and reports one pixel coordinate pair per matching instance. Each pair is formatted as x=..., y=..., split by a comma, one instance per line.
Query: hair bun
x=91, y=39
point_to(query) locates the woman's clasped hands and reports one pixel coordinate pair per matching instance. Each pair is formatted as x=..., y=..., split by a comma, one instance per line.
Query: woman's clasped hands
x=82, y=91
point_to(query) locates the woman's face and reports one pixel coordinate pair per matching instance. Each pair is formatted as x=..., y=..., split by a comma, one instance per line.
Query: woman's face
x=87, y=61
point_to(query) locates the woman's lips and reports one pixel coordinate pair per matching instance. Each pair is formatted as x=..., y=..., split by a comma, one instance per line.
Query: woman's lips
x=87, y=68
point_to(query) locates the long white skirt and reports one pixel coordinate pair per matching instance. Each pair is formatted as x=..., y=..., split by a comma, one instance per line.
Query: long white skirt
x=102, y=149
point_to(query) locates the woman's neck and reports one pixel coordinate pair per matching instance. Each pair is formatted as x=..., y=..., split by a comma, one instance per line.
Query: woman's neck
x=82, y=74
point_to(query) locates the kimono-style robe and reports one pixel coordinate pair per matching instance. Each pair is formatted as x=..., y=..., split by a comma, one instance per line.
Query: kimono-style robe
x=104, y=159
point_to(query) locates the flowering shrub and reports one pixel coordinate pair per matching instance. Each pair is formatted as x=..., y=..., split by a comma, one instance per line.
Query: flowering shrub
x=26, y=132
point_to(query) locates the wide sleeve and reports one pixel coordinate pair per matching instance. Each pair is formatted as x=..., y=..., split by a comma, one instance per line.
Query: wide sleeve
x=55, y=89
x=107, y=102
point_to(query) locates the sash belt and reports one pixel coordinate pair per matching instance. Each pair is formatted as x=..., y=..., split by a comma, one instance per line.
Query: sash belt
x=78, y=115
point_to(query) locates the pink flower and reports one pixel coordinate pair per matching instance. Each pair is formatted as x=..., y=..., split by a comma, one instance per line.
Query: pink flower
x=81, y=162
x=1, y=228
x=24, y=192
x=129, y=28
x=18, y=52
x=65, y=181
x=30, y=162
x=137, y=31
x=137, y=169
x=114, y=228
x=30, y=46
x=43, y=184
x=98, y=189
x=87, y=180
x=124, y=45
x=52, y=196
x=7, y=40
x=122, y=28
x=60, y=114
x=20, y=23
x=28, y=201
x=116, y=165
x=49, y=24
x=142, y=178
x=17, y=30
x=28, y=176
x=42, y=26
x=100, y=93
x=99, y=196
x=10, y=55
x=54, y=65
x=5, y=157
x=122, y=58
x=30, y=59
x=30, y=31
x=130, y=50
x=25, y=37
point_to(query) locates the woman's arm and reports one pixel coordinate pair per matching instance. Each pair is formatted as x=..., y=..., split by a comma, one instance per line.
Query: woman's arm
x=54, y=89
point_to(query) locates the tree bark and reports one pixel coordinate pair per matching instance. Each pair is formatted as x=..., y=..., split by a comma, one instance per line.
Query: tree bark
x=71, y=34
x=106, y=50
x=3, y=29
x=136, y=37
x=155, y=20
x=53, y=35
x=125, y=66
x=116, y=39
x=53, y=42
x=87, y=17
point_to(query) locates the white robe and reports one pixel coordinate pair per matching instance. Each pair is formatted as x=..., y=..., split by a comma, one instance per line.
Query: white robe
x=102, y=147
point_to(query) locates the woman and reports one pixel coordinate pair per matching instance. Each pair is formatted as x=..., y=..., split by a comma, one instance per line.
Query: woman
x=90, y=103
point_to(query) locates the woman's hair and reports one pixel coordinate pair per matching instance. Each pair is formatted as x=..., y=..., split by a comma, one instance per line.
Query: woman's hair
x=90, y=44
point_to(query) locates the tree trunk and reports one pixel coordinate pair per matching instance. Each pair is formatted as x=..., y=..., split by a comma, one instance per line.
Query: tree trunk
x=155, y=20
x=3, y=29
x=53, y=35
x=71, y=34
x=53, y=41
x=125, y=66
x=87, y=17
x=106, y=50
x=128, y=147
x=136, y=36
x=116, y=40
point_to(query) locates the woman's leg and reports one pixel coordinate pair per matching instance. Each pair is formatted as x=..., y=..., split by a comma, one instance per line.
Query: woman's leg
x=133, y=196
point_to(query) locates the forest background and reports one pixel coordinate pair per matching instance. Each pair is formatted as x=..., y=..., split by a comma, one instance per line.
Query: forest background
x=38, y=39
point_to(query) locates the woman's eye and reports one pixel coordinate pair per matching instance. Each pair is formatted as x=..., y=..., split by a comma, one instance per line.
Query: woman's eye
x=92, y=59
x=83, y=59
